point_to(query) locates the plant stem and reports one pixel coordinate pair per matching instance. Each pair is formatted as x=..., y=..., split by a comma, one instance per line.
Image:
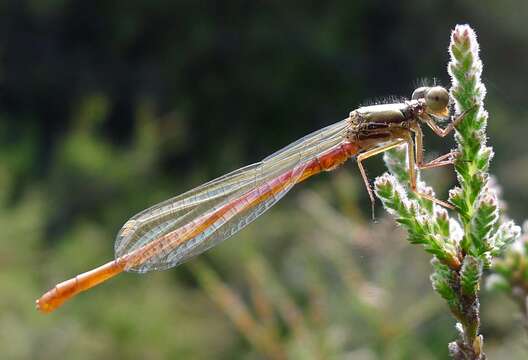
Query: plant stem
x=461, y=249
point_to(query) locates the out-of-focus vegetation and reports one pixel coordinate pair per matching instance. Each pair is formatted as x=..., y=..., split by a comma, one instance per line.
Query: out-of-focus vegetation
x=511, y=275
x=107, y=108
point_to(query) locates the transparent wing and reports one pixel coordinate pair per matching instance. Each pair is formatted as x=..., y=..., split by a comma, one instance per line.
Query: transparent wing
x=177, y=229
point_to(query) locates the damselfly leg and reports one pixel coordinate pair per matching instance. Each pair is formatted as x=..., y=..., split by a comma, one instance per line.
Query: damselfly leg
x=415, y=154
x=363, y=156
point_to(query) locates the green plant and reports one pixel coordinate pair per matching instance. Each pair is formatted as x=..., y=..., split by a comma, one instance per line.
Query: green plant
x=461, y=248
x=510, y=274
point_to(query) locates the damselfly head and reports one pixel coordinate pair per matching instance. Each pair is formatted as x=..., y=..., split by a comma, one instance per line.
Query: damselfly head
x=436, y=99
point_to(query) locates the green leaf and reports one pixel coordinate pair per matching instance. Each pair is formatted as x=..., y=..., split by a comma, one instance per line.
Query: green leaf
x=443, y=281
x=495, y=282
x=485, y=217
x=506, y=234
x=470, y=275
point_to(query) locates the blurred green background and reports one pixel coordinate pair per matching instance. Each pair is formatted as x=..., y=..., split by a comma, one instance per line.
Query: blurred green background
x=109, y=107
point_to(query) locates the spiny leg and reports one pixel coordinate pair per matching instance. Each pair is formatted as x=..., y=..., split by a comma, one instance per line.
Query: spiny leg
x=430, y=121
x=366, y=155
x=438, y=162
x=412, y=167
x=412, y=175
x=418, y=136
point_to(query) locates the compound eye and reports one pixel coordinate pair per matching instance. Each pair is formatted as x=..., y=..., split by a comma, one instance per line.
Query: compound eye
x=437, y=99
x=419, y=93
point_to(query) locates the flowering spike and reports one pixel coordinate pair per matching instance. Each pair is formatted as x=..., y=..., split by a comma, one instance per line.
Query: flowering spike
x=461, y=249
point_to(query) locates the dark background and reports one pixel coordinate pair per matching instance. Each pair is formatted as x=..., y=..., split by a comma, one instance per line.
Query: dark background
x=108, y=107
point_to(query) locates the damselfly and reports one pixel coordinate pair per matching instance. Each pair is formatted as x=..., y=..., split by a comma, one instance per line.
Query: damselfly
x=180, y=228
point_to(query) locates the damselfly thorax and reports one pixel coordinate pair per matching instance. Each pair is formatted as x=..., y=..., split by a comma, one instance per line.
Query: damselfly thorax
x=378, y=128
